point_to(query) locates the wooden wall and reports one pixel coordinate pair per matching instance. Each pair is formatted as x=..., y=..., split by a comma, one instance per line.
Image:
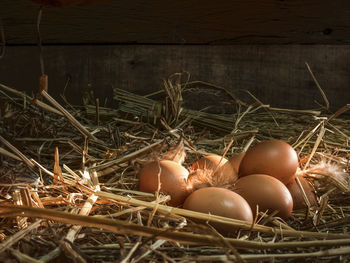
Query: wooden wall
x=183, y=22
x=260, y=46
x=275, y=74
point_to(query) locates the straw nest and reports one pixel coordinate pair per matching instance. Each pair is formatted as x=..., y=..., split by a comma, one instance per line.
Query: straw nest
x=69, y=185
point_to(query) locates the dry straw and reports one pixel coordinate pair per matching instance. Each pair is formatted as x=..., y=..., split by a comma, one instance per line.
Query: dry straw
x=95, y=212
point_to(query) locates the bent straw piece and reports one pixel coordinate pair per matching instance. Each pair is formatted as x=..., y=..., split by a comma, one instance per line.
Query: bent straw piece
x=339, y=112
x=38, y=102
x=23, y=257
x=18, y=236
x=122, y=227
x=28, y=162
x=9, y=154
x=219, y=219
x=316, y=144
x=75, y=229
x=85, y=210
x=311, y=112
x=127, y=157
x=318, y=86
x=69, y=116
x=43, y=85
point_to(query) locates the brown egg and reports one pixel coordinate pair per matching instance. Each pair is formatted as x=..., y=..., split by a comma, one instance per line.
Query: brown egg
x=173, y=180
x=219, y=201
x=209, y=162
x=297, y=195
x=273, y=157
x=267, y=192
x=229, y=171
x=235, y=160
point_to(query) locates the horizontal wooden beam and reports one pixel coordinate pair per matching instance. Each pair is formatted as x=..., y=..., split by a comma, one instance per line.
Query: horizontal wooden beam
x=182, y=22
x=275, y=74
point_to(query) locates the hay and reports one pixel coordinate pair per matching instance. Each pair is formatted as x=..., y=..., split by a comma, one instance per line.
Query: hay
x=69, y=180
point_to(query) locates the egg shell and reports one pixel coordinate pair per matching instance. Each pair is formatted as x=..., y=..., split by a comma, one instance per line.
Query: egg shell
x=221, y=202
x=275, y=158
x=173, y=180
x=297, y=195
x=209, y=162
x=267, y=192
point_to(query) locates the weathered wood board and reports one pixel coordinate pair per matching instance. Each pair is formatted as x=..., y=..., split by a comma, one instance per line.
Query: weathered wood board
x=182, y=22
x=276, y=74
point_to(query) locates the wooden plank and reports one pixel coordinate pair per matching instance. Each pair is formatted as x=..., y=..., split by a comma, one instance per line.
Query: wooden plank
x=275, y=74
x=182, y=22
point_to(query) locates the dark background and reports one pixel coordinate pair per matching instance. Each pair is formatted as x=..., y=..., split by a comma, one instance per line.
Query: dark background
x=260, y=46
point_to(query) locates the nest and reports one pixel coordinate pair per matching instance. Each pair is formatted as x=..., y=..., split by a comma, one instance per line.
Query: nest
x=69, y=184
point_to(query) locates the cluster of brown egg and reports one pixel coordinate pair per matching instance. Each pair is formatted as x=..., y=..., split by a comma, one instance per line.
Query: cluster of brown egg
x=261, y=179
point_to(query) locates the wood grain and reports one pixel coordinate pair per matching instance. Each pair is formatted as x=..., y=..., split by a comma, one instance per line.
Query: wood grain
x=182, y=22
x=276, y=74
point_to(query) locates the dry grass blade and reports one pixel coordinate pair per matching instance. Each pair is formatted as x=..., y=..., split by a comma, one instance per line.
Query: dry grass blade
x=28, y=98
x=307, y=137
x=317, y=143
x=19, y=235
x=339, y=112
x=153, y=247
x=229, y=93
x=318, y=86
x=18, y=152
x=24, y=257
x=173, y=91
x=131, y=252
x=9, y=154
x=311, y=112
x=128, y=157
x=85, y=210
x=69, y=116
